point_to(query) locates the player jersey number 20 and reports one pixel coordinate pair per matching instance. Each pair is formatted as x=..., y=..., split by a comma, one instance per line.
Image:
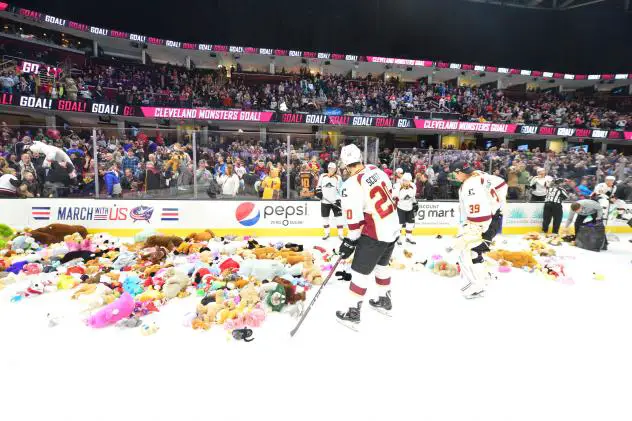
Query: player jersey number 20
x=384, y=204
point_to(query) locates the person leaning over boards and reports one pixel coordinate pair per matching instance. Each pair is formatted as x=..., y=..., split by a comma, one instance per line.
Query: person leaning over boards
x=587, y=211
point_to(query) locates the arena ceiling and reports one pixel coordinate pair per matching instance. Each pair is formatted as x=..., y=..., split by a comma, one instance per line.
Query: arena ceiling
x=559, y=5
x=571, y=36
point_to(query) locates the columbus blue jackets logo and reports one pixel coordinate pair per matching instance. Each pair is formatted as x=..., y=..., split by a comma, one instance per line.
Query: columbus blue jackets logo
x=141, y=213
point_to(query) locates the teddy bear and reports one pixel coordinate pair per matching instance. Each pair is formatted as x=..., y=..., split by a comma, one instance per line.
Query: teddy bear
x=199, y=237
x=249, y=295
x=94, y=296
x=312, y=273
x=518, y=259
x=170, y=242
x=227, y=312
x=293, y=293
x=532, y=236
x=443, y=268
x=151, y=270
x=540, y=248
x=154, y=255
x=396, y=264
x=206, y=315
x=150, y=294
x=55, y=233
x=183, y=248
x=175, y=282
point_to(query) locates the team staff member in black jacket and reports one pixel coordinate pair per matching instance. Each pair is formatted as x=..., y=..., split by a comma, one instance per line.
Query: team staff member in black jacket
x=555, y=195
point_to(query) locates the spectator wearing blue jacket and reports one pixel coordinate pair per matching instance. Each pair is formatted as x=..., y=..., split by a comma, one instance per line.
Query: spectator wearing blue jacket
x=583, y=189
x=112, y=182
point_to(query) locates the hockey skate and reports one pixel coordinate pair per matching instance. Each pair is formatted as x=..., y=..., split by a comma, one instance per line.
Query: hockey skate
x=325, y=237
x=351, y=317
x=471, y=291
x=383, y=304
x=411, y=241
x=399, y=241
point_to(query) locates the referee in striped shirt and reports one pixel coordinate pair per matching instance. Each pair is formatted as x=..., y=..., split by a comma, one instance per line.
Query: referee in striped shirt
x=555, y=195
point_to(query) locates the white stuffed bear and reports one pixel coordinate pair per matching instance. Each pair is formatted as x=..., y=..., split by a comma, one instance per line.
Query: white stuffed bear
x=262, y=269
x=52, y=153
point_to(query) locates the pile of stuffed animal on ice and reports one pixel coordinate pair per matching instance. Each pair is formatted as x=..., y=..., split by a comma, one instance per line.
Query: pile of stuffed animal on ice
x=238, y=281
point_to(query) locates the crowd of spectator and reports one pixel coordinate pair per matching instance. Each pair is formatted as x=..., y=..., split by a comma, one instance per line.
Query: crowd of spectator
x=578, y=170
x=135, y=165
x=166, y=85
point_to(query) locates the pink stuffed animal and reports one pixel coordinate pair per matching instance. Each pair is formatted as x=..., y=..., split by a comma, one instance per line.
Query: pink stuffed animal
x=109, y=315
x=32, y=268
x=237, y=323
x=84, y=245
x=255, y=317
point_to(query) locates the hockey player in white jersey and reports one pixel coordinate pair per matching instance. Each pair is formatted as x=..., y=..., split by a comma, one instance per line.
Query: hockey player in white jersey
x=405, y=193
x=497, y=188
x=328, y=191
x=370, y=212
x=613, y=207
x=481, y=223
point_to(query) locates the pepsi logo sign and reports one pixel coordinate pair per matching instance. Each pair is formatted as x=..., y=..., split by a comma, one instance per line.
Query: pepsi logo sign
x=247, y=214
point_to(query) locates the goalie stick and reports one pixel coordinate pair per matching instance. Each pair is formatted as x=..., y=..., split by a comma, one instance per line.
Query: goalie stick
x=309, y=307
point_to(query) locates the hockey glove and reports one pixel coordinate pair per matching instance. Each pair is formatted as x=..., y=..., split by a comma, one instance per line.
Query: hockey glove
x=343, y=275
x=415, y=206
x=347, y=248
x=339, y=204
x=319, y=193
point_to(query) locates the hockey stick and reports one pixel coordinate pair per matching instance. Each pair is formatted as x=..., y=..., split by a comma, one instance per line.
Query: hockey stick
x=332, y=204
x=309, y=307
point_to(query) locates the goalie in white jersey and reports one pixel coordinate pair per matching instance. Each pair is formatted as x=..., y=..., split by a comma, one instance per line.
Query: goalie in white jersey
x=404, y=193
x=481, y=210
x=371, y=215
x=497, y=188
x=328, y=191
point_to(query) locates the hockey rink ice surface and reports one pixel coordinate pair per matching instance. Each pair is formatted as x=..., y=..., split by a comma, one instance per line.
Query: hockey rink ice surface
x=532, y=349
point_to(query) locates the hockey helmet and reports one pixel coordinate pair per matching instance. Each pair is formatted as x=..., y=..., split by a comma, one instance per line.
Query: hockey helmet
x=408, y=177
x=350, y=154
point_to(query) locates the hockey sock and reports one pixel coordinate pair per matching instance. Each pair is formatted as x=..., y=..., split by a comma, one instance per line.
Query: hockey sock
x=409, y=230
x=357, y=287
x=340, y=226
x=326, y=225
x=382, y=278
